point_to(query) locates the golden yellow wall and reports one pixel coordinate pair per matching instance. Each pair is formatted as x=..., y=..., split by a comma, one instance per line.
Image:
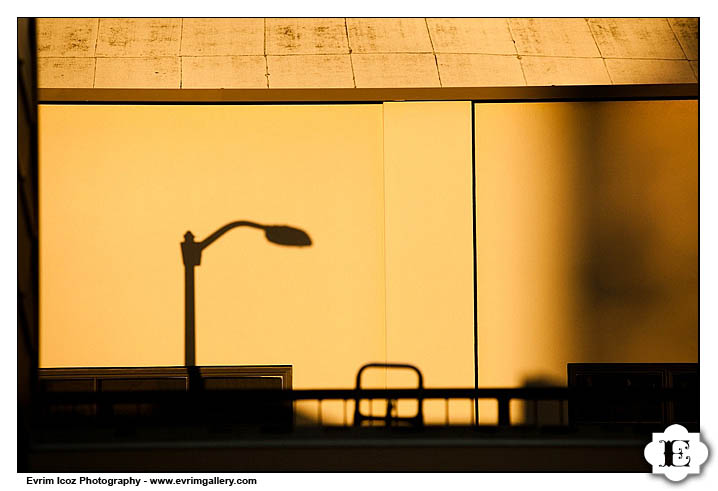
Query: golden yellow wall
x=121, y=185
x=587, y=222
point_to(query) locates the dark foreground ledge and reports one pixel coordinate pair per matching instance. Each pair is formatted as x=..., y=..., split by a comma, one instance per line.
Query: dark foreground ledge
x=346, y=449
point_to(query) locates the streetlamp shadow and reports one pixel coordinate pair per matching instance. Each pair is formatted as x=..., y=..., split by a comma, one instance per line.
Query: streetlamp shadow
x=284, y=235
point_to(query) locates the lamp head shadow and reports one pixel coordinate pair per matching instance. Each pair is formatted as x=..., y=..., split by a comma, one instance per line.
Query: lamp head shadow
x=287, y=236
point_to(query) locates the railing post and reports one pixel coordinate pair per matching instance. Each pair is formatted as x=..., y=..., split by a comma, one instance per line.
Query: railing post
x=504, y=417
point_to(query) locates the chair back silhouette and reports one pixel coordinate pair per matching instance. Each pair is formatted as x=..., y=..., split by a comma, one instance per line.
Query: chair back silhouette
x=389, y=418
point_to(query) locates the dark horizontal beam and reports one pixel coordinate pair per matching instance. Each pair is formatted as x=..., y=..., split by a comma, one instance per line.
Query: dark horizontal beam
x=529, y=393
x=336, y=95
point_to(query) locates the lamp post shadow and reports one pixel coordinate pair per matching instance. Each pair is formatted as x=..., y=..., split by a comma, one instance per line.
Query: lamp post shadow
x=192, y=257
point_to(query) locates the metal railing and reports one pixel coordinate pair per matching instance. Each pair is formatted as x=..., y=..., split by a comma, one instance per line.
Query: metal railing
x=279, y=408
x=280, y=404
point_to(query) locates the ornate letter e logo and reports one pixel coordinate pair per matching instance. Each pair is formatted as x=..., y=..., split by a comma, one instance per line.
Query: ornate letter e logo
x=676, y=453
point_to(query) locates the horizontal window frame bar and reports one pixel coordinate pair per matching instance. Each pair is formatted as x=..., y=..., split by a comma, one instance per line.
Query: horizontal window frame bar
x=371, y=95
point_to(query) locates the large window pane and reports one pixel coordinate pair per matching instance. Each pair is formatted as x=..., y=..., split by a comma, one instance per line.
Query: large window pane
x=120, y=186
x=587, y=222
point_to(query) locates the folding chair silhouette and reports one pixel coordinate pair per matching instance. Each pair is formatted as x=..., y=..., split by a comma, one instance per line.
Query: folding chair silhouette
x=391, y=417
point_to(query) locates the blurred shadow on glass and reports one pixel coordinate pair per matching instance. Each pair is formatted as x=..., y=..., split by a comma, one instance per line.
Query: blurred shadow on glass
x=639, y=272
